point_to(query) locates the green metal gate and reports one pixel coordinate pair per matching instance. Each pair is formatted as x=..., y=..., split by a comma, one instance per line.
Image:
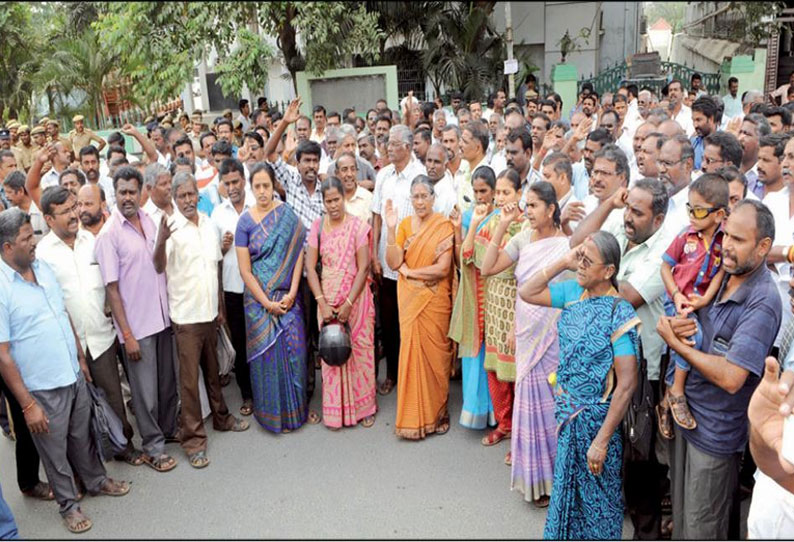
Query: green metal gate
x=611, y=79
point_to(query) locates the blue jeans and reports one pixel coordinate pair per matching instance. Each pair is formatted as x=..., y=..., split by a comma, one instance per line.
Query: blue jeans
x=8, y=527
x=680, y=362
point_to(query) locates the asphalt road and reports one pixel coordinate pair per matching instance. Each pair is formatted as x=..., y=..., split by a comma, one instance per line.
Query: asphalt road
x=313, y=483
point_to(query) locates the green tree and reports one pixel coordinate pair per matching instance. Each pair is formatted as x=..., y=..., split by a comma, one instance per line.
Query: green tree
x=243, y=66
x=18, y=61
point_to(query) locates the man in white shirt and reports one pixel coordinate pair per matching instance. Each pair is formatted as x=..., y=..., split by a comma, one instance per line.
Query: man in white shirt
x=680, y=112
x=457, y=166
x=358, y=200
x=782, y=91
x=318, y=133
x=610, y=173
x=443, y=185
x=675, y=164
x=393, y=183
x=89, y=164
x=69, y=251
x=157, y=180
x=225, y=217
x=189, y=251
x=556, y=170
x=733, y=104
x=59, y=156
x=244, y=116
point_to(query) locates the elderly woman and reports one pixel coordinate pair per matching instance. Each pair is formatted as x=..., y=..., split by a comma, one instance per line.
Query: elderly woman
x=341, y=241
x=269, y=244
x=421, y=250
x=467, y=327
x=596, y=376
x=534, y=442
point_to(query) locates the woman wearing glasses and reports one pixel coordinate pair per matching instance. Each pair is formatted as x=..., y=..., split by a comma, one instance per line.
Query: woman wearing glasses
x=596, y=376
x=420, y=249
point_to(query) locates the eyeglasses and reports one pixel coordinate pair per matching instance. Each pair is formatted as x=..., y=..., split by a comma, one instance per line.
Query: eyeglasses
x=710, y=161
x=701, y=212
x=73, y=209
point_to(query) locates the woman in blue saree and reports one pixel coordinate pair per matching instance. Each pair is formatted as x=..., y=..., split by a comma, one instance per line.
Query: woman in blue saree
x=597, y=373
x=269, y=244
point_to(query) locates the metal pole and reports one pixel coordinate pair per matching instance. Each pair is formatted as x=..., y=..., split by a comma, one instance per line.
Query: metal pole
x=511, y=79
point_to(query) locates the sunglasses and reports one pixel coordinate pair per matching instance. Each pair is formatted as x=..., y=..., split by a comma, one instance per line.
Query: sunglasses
x=701, y=212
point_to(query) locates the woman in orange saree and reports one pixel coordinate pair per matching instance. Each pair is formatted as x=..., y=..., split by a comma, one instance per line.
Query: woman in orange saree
x=421, y=250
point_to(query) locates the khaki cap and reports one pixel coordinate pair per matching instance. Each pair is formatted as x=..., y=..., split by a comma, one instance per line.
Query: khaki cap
x=43, y=121
x=12, y=124
x=24, y=128
x=37, y=130
x=148, y=119
x=78, y=118
x=237, y=124
x=53, y=121
x=226, y=112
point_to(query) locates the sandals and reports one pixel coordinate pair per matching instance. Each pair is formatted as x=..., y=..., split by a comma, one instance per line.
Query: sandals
x=680, y=411
x=164, y=463
x=542, y=502
x=494, y=437
x=368, y=422
x=509, y=459
x=664, y=420
x=131, y=457
x=313, y=418
x=40, y=491
x=248, y=408
x=443, y=427
x=240, y=425
x=77, y=522
x=199, y=460
x=386, y=387
x=114, y=488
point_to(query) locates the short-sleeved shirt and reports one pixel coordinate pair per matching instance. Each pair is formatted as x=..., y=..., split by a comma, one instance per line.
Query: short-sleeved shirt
x=569, y=291
x=33, y=319
x=741, y=328
x=360, y=205
x=308, y=207
x=694, y=264
x=126, y=256
x=641, y=268
x=225, y=218
x=192, y=255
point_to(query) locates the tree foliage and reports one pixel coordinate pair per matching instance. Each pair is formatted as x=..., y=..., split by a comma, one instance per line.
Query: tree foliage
x=18, y=61
x=243, y=66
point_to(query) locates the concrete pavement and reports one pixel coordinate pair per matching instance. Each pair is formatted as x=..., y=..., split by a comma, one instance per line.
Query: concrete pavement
x=313, y=483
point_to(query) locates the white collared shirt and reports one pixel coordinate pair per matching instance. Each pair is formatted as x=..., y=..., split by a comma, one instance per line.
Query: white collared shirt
x=78, y=275
x=37, y=222
x=360, y=205
x=461, y=180
x=677, y=216
x=49, y=179
x=225, y=218
x=778, y=205
x=394, y=186
x=106, y=183
x=684, y=120
x=192, y=252
x=446, y=197
x=155, y=213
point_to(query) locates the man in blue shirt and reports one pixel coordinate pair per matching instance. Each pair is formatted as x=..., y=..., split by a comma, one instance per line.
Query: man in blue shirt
x=739, y=329
x=704, y=113
x=43, y=365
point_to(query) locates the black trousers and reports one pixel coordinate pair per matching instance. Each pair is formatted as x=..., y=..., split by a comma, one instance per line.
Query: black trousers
x=644, y=484
x=235, y=316
x=312, y=334
x=390, y=326
x=27, y=457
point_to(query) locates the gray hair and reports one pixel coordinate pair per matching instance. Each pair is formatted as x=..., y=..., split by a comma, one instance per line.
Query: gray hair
x=423, y=180
x=752, y=96
x=614, y=154
x=440, y=148
x=183, y=177
x=332, y=131
x=153, y=172
x=402, y=134
x=658, y=192
x=453, y=127
x=346, y=130
x=11, y=221
x=645, y=93
x=762, y=127
x=438, y=113
x=366, y=134
x=499, y=120
x=609, y=249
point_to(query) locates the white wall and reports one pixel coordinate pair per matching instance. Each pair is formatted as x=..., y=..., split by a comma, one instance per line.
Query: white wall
x=571, y=16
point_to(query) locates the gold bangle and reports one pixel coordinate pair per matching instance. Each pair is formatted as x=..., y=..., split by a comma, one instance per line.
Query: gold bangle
x=24, y=410
x=319, y=297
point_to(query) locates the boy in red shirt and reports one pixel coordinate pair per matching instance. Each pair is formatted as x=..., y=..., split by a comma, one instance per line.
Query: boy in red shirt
x=692, y=274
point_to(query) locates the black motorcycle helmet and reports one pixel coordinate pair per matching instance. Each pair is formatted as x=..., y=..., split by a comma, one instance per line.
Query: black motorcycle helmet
x=334, y=343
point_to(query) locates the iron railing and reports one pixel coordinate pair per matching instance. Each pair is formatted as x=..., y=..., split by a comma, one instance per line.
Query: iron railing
x=613, y=77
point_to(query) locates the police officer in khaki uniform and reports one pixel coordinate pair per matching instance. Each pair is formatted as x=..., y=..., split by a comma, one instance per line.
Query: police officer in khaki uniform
x=81, y=136
x=54, y=134
x=13, y=127
x=25, y=148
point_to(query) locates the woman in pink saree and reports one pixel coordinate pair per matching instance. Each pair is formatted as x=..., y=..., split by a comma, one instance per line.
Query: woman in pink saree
x=342, y=242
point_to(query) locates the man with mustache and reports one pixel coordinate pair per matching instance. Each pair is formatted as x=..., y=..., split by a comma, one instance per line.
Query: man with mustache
x=89, y=164
x=92, y=208
x=610, y=172
x=753, y=128
x=704, y=111
x=679, y=112
x=637, y=140
x=139, y=304
x=636, y=218
x=675, y=171
x=649, y=152
x=459, y=168
x=188, y=250
x=721, y=149
x=594, y=142
x=14, y=185
x=739, y=329
x=69, y=251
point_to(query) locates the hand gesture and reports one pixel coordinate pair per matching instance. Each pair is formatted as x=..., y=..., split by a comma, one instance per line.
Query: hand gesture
x=595, y=459
x=619, y=198
x=129, y=129
x=48, y=154
x=286, y=302
x=733, y=126
x=37, y=420
x=275, y=308
x=456, y=217
x=242, y=153
x=293, y=111
x=510, y=213
x=573, y=212
x=391, y=214
x=408, y=103
x=228, y=239
x=165, y=230
x=291, y=143
x=583, y=129
x=696, y=302
x=480, y=212
x=770, y=403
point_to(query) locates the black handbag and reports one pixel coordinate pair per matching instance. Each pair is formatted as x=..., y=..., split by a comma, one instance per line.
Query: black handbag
x=106, y=427
x=639, y=418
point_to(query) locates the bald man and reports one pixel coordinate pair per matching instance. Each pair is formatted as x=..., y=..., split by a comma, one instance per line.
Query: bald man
x=92, y=208
x=670, y=128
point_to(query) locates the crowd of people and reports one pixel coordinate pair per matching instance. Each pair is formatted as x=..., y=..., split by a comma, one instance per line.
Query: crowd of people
x=553, y=257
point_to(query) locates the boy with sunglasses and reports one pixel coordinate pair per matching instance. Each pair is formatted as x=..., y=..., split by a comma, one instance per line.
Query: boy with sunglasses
x=692, y=274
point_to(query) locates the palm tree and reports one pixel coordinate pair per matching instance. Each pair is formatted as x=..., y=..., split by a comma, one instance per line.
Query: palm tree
x=79, y=62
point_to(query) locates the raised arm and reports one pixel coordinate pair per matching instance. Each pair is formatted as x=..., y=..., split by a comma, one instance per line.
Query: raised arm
x=536, y=289
x=145, y=143
x=160, y=258
x=33, y=181
x=595, y=220
x=394, y=253
x=290, y=116
x=497, y=260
